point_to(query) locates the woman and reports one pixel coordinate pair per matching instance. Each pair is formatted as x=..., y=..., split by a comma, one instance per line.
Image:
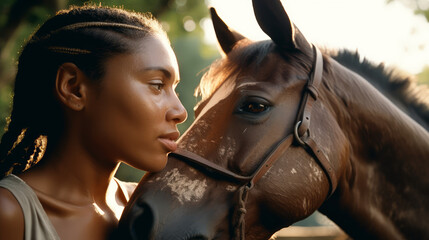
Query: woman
x=94, y=87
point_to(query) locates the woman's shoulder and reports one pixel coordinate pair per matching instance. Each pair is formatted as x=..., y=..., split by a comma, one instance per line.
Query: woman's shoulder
x=11, y=216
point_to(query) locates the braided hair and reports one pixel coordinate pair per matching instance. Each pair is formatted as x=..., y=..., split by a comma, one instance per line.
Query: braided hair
x=86, y=36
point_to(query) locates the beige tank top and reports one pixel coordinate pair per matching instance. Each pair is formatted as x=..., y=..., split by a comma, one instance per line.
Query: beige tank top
x=37, y=224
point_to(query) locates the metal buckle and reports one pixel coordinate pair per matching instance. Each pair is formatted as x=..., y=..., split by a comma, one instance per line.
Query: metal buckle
x=296, y=135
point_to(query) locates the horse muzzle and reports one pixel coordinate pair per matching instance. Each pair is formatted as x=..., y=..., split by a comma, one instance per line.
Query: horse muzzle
x=154, y=216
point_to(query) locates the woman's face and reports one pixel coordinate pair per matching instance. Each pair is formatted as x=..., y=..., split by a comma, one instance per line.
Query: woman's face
x=132, y=115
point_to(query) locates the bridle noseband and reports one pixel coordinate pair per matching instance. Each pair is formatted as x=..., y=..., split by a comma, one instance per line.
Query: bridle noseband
x=301, y=136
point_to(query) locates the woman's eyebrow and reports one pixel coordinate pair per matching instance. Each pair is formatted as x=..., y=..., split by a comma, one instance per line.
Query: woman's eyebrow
x=164, y=71
x=159, y=69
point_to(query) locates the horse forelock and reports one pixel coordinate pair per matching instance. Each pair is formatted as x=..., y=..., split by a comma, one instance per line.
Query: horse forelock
x=402, y=89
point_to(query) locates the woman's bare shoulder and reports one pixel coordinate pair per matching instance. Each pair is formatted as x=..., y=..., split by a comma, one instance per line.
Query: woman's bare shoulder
x=11, y=216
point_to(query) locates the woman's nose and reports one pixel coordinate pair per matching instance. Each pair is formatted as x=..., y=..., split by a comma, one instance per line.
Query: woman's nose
x=177, y=112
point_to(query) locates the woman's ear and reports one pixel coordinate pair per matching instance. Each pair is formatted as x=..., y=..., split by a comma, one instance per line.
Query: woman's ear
x=70, y=86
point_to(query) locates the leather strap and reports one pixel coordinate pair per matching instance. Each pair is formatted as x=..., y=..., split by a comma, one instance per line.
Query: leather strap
x=302, y=135
x=195, y=159
x=251, y=179
x=324, y=163
x=271, y=159
x=310, y=93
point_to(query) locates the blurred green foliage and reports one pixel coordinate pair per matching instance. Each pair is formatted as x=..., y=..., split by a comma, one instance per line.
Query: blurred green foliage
x=423, y=76
x=418, y=6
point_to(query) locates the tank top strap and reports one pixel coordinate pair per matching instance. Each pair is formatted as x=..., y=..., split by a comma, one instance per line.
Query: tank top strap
x=36, y=221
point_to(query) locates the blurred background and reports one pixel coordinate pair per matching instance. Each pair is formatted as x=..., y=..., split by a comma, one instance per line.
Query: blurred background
x=394, y=32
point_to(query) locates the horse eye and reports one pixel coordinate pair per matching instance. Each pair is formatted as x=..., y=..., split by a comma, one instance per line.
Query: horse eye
x=253, y=107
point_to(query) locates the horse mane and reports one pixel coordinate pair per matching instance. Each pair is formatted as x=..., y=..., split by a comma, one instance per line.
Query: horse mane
x=402, y=90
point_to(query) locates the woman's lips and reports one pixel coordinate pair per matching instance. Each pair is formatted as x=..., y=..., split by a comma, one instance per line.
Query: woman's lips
x=169, y=144
x=169, y=141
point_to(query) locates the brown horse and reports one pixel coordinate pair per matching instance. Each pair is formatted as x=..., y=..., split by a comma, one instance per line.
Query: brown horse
x=281, y=132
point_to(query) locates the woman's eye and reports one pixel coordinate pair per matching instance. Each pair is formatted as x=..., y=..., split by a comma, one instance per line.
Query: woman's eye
x=157, y=84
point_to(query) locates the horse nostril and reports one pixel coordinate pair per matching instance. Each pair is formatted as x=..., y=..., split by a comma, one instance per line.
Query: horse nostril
x=137, y=224
x=142, y=221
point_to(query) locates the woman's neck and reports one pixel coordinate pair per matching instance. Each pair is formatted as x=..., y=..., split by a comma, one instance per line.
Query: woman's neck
x=72, y=174
x=78, y=193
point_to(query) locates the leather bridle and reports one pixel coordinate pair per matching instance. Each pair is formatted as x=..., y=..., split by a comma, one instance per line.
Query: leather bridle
x=301, y=136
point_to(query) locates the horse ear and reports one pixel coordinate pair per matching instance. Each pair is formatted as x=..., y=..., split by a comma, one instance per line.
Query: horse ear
x=274, y=21
x=226, y=37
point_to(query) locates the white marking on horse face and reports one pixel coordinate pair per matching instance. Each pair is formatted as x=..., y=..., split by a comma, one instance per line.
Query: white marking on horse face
x=184, y=189
x=321, y=136
x=317, y=173
x=305, y=205
x=231, y=150
x=230, y=188
x=194, y=136
x=247, y=84
x=293, y=171
x=191, y=144
x=221, y=150
x=221, y=93
x=226, y=151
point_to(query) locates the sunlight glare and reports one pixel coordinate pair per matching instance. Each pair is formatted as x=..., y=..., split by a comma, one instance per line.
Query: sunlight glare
x=390, y=33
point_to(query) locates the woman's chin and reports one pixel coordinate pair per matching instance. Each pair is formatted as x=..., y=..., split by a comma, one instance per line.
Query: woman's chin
x=158, y=168
x=155, y=164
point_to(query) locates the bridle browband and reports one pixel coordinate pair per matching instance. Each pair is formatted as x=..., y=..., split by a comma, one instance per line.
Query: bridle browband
x=301, y=135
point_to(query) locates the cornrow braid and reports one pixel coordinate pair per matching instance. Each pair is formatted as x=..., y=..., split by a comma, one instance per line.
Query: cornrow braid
x=99, y=24
x=86, y=36
x=71, y=51
x=74, y=51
